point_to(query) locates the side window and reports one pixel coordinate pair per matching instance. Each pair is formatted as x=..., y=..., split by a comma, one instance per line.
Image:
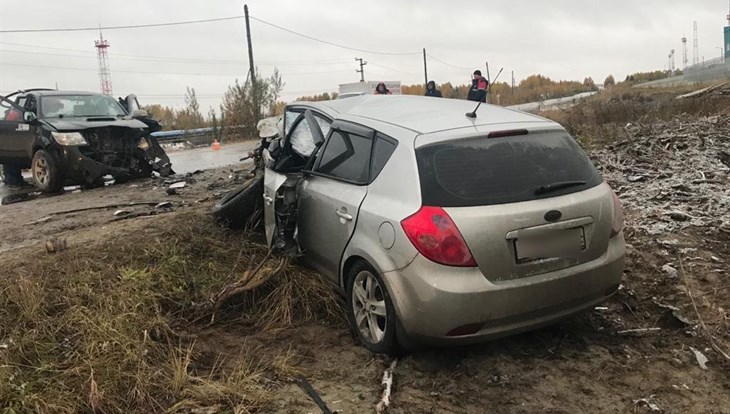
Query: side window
x=346, y=156
x=384, y=148
x=301, y=138
x=302, y=141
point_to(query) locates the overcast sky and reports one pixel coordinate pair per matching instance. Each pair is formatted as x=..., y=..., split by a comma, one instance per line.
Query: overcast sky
x=562, y=39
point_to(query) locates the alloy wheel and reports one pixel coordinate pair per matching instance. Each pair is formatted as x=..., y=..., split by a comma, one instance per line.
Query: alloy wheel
x=368, y=304
x=41, y=171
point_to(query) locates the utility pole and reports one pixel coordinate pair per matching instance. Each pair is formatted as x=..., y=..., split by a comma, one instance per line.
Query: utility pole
x=513, y=83
x=425, y=68
x=252, y=69
x=362, y=69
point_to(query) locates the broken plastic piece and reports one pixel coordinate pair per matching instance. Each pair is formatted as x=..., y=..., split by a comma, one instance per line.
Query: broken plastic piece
x=701, y=358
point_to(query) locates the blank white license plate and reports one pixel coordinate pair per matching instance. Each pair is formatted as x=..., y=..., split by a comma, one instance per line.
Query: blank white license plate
x=561, y=243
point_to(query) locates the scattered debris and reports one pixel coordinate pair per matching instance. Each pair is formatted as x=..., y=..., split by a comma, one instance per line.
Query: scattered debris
x=121, y=213
x=670, y=271
x=55, y=245
x=387, y=384
x=177, y=185
x=638, y=331
x=306, y=386
x=684, y=181
x=646, y=402
x=701, y=358
x=164, y=205
x=676, y=313
x=39, y=221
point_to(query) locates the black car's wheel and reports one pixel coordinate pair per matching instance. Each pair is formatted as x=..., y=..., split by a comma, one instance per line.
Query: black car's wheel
x=46, y=175
x=371, y=311
x=235, y=209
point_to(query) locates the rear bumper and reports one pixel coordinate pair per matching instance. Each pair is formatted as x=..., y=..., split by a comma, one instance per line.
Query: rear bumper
x=431, y=300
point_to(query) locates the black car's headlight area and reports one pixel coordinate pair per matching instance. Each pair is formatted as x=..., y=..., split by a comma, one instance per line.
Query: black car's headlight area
x=69, y=138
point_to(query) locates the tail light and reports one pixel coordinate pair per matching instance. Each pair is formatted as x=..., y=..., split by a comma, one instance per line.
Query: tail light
x=617, y=223
x=436, y=237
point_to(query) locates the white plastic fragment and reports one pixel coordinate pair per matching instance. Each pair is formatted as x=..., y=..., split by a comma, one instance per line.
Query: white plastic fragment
x=701, y=358
x=669, y=270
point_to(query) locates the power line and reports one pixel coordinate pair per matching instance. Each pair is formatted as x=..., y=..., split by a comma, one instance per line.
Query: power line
x=123, y=56
x=331, y=43
x=115, y=56
x=136, y=26
x=165, y=73
x=392, y=69
x=445, y=63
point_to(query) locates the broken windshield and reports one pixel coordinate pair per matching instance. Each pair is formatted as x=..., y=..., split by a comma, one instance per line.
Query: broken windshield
x=80, y=106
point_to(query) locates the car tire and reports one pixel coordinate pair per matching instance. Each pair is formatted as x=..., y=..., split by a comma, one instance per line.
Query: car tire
x=370, y=310
x=46, y=175
x=235, y=209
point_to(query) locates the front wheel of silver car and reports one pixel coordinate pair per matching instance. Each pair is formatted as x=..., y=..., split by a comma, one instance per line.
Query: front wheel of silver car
x=45, y=171
x=372, y=315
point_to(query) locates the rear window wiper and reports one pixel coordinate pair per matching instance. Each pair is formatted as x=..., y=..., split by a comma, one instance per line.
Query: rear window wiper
x=548, y=188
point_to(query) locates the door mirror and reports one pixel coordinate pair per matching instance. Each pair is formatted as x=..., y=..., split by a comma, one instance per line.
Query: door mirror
x=29, y=116
x=139, y=113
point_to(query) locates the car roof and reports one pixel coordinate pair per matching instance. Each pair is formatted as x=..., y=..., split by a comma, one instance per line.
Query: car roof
x=59, y=93
x=421, y=114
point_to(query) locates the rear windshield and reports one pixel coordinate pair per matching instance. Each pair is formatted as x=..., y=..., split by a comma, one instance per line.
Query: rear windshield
x=484, y=171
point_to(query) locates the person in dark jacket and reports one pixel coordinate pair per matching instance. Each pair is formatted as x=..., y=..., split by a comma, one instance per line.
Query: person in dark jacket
x=479, y=87
x=382, y=90
x=432, y=91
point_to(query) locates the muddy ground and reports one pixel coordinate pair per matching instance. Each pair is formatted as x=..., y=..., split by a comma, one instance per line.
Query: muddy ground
x=582, y=365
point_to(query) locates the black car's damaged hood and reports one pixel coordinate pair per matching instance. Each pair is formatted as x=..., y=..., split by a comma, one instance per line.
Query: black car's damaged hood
x=80, y=124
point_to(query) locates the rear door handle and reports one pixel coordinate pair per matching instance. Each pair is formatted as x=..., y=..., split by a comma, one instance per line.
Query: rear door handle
x=343, y=215
x=268, y=200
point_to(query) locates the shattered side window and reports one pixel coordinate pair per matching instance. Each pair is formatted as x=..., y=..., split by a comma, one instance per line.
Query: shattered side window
x=302, y=139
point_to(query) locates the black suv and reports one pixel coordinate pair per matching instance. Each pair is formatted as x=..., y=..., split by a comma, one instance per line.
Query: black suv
x=68, y=137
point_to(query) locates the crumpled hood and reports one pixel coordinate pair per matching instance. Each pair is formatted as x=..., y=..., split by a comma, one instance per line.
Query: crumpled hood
x=80, y=124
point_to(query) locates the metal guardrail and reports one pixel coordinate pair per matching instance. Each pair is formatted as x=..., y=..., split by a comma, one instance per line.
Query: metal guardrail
x=201, y=136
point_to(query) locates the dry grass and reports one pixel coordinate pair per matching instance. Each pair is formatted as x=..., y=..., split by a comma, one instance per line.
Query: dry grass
x=95, y=328
x=601, y=118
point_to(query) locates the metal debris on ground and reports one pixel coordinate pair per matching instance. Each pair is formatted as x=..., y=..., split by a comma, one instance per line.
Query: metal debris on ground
x=701, y=358
x=672, y=174
x=178, y=185
x=647, y=402
x=121, y=213
x=164, y=205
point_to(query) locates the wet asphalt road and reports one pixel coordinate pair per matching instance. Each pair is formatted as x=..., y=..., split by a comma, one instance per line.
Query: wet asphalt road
x=186, y=161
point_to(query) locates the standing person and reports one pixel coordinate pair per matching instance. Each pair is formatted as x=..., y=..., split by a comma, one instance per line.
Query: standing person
x=432, y=91
x=382, y=90
x=479, y=87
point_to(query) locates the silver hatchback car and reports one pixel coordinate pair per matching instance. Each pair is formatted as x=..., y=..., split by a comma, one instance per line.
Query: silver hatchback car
x=442, y=228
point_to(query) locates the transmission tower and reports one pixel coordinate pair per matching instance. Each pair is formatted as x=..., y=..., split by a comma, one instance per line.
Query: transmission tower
x=684, y=52
x=105, y=75
x=695, y=47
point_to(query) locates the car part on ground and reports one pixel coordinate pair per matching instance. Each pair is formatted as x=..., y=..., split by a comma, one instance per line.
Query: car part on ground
x=237, y=207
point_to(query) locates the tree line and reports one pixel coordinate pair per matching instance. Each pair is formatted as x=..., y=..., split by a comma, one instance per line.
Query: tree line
x=238, y=108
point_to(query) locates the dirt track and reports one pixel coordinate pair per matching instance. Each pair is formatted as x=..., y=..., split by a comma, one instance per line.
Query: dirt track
x=581, y=365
